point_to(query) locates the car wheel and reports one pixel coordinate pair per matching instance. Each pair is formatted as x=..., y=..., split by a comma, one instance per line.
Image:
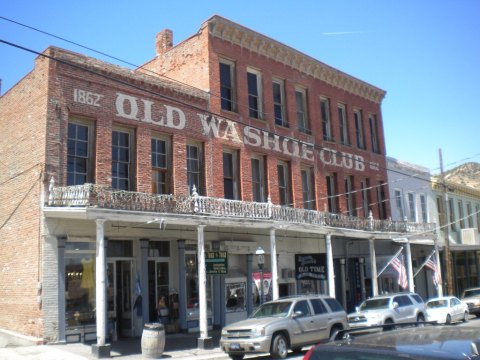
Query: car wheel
x=420, y=320
x=388, y=325
x=279, y=347
x=236, y=356
x=448, y=320
x=465, y=316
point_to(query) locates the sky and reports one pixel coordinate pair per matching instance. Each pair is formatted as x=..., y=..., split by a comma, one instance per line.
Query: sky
x=424, y=53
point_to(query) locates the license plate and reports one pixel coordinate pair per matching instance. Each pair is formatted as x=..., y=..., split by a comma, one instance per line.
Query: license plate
x=234, y=346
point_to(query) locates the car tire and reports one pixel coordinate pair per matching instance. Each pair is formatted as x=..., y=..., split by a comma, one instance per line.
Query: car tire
x=465, y=316
x=236, y=356
x=389, y=325
x=420, y=318
x=279, y=348
x=448, y=320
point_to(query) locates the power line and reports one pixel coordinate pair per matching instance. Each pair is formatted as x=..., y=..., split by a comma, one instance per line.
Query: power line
x=126, y=83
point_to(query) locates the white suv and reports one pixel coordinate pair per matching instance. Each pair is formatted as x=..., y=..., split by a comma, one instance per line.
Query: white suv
x=287, y=323
x=388, y=309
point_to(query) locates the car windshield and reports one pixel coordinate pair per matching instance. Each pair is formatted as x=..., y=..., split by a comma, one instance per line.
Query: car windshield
x=470, y=293
x=277, y=309
x=374, y=304
x=437, y=304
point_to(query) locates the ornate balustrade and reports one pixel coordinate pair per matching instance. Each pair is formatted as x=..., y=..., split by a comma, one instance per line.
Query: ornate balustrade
x=100, y=196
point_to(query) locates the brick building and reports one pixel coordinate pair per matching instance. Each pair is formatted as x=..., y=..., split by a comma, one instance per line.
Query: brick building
x=173, y=176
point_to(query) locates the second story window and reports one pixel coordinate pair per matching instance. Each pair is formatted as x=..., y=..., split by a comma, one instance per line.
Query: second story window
x=284, y=187
x=342, y=119
x=365, y=191
x=278, y=89
x=399, y=204
x=230, y=175
x=258, y=179
x=331, y=193
x=254, y=86
x=194, y=168
x=302, y=115
x=350, y=196
x=461, y=215
x=381, y=200
x=161, y=165
x=326, y=122
x=451, y=211
x=357, y=114
x=80, y=150
x=470, y=216
x=122, y=159
x=423, y=207
x=372, y=120
x=308, y=188
x=227, y=85
x=412, y=206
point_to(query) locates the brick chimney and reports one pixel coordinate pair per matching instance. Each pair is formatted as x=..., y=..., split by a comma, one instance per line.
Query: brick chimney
x=164, y=41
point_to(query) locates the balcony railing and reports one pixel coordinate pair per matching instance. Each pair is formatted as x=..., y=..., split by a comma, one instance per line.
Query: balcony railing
x=101, y=196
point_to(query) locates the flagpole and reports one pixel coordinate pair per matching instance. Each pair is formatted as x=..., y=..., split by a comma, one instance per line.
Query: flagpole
x=423, y=264
x=389, y=262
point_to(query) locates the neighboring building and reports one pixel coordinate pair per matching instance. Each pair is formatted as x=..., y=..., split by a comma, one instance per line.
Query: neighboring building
x=412, y=200
x=121, y=187
x=458, y=209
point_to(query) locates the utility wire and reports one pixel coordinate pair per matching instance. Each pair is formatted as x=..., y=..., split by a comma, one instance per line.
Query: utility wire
x=126, y=83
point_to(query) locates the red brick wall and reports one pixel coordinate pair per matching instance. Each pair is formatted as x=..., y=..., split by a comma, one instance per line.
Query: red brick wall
x=23, y=110
x=180, y=61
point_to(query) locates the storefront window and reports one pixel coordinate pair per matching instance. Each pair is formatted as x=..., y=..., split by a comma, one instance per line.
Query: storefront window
x=235, y=296
x=80, y=283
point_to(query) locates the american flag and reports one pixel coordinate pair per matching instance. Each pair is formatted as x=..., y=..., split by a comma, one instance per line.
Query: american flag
x=437, y=279
x=397, y=264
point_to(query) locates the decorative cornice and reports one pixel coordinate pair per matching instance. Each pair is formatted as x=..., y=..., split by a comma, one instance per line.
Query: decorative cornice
x=236, y=34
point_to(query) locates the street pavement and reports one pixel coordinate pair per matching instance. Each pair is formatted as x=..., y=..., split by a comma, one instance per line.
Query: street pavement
x=177, y=346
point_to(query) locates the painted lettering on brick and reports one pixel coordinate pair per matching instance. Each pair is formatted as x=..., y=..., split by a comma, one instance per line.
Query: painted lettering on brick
x=86, y=97
x=133, y=108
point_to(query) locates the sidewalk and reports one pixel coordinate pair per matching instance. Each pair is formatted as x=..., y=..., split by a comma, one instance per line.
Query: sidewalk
x=177, y=346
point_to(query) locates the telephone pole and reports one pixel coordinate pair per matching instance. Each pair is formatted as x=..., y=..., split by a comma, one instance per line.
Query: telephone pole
x=446, y=231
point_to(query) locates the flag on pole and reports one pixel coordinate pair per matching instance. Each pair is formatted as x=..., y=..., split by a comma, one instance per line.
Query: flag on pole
x=437, y=279
x=398, y=265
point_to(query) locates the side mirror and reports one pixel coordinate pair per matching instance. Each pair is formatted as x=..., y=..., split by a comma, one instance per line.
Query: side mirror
x=297, y=313
x=395, y=305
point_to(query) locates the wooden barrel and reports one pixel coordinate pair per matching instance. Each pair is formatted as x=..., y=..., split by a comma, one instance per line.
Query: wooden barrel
x=153, y=340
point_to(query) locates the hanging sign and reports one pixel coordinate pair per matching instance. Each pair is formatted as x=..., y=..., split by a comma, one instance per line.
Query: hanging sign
x=310, y=266
x=216, y=262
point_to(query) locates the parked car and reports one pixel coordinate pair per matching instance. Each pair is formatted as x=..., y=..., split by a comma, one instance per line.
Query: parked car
x=446, y=309
x=388, y=309
x=283, y=324
x=472, y=298
x=419, y=343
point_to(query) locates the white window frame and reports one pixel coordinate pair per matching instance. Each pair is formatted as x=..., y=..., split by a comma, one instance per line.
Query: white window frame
x=326, y=118
x=259, y=185
x=168, y=163
x=301, y=106
x=424, y=207
x=232, y=87
x=235, y=172
x=412, y=206
x=258, y=96
x=399, y=203
x=343, y=123
x=283, y=121
x=285, y=188
x=200, y=164
x=308, y=188
x=372, y=120
x=359, y=130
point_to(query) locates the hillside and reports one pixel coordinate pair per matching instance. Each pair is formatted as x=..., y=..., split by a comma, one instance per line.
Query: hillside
x=467, y=174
